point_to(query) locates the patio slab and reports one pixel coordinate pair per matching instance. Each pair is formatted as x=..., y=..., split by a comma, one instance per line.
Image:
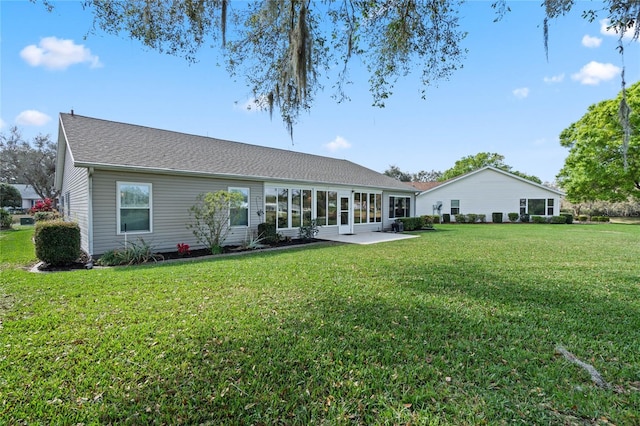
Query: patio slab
x=367, y=237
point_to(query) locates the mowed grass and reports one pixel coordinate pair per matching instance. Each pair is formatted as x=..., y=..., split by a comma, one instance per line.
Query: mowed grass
x=458, y=326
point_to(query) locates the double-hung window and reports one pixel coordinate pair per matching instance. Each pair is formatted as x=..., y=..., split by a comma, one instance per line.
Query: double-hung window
x=239, y=214
x=455, y=206
x=134, y=207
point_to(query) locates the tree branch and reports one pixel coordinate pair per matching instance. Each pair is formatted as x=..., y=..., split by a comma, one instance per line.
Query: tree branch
x=595, y=376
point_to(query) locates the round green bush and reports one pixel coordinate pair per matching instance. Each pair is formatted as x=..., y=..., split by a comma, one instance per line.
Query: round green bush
x=57, y=242
x=568, y=218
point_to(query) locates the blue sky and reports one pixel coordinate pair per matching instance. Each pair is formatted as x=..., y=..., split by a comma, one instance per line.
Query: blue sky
x=507, y=99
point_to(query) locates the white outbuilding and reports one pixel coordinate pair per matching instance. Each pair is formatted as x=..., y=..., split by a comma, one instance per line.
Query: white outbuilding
x=486, y=191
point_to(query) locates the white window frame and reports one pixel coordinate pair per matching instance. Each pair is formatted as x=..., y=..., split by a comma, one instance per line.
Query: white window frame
x=239, y=189
x=119, y=207
x=392, y=212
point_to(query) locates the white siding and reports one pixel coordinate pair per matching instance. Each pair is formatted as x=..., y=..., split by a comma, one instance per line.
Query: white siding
x=484, y=192
x=76, y=182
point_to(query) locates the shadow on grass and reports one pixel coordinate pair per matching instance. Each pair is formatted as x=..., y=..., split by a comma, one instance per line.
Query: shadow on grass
x=445, y=353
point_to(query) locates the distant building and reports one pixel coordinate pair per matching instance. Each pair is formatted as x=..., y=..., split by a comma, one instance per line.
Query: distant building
x=29, y=196
x=486, y=191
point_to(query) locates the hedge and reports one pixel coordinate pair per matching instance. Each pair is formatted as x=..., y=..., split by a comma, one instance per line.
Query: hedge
x=57, y=242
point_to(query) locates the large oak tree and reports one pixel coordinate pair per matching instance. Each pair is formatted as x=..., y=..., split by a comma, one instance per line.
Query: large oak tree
x=596, y=168
x=29, y=162
x=288, y=50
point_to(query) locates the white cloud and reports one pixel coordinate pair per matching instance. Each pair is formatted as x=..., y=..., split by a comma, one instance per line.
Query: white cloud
x=337, y=144
x=588, y=41
x=521, y=93
x=595, y=72
x=32, y=117
x=58, y=54
x=554, y=78
x=628, y=33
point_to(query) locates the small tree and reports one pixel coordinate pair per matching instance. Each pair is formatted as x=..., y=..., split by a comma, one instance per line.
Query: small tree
x=29, y=162
x=9, y=196
x=212, y=217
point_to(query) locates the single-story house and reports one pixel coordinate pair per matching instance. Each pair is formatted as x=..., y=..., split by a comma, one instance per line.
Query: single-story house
x=486, y=191
x=123, y=181
x=29, y=195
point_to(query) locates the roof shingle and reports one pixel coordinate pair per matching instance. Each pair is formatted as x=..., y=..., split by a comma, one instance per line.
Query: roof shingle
x=102, y=143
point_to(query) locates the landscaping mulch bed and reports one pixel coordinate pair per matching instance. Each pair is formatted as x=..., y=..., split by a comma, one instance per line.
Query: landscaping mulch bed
x=85, y=263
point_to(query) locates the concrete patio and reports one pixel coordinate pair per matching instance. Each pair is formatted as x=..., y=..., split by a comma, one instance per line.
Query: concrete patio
x=367, y=237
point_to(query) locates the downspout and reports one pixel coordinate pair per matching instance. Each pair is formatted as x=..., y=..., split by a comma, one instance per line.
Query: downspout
x=90, y=214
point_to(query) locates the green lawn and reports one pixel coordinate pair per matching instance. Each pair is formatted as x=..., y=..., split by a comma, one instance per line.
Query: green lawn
x=456, y=327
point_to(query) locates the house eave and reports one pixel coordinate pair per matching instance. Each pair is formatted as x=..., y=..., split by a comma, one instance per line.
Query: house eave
x=229, y=176
x=466, y=175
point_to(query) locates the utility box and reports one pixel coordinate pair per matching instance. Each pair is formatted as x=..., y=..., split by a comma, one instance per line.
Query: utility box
x=26, y=221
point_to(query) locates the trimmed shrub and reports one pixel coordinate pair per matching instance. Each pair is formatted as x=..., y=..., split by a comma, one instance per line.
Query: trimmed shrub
x=460, y=218
x=411, y=223
x=57, y=242
x=583, y=218
x=267, y=231
x=446, y=218
x=599, y=218
x=5, y=219
x=472, y=218
x=538, y=219
x=427, y=221
x=558, y=219
x=568, y=218
x=524, y=218
x=496, y=217
x=407, y=223
x=513, y=217
x=45, y=215
x=482, y=218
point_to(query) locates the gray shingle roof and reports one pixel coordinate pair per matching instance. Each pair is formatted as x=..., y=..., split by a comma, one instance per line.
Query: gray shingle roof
x=102, y=143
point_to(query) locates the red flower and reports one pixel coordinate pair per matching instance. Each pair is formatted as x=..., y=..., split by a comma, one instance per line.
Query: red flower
x=42, y=206
x=183, y=248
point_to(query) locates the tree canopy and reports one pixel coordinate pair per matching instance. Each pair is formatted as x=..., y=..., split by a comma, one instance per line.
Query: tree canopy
x=287, y=50
x=9, y=196
x=422, y=176
x=482, y=159
x=32, y=163
x=595, y=168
